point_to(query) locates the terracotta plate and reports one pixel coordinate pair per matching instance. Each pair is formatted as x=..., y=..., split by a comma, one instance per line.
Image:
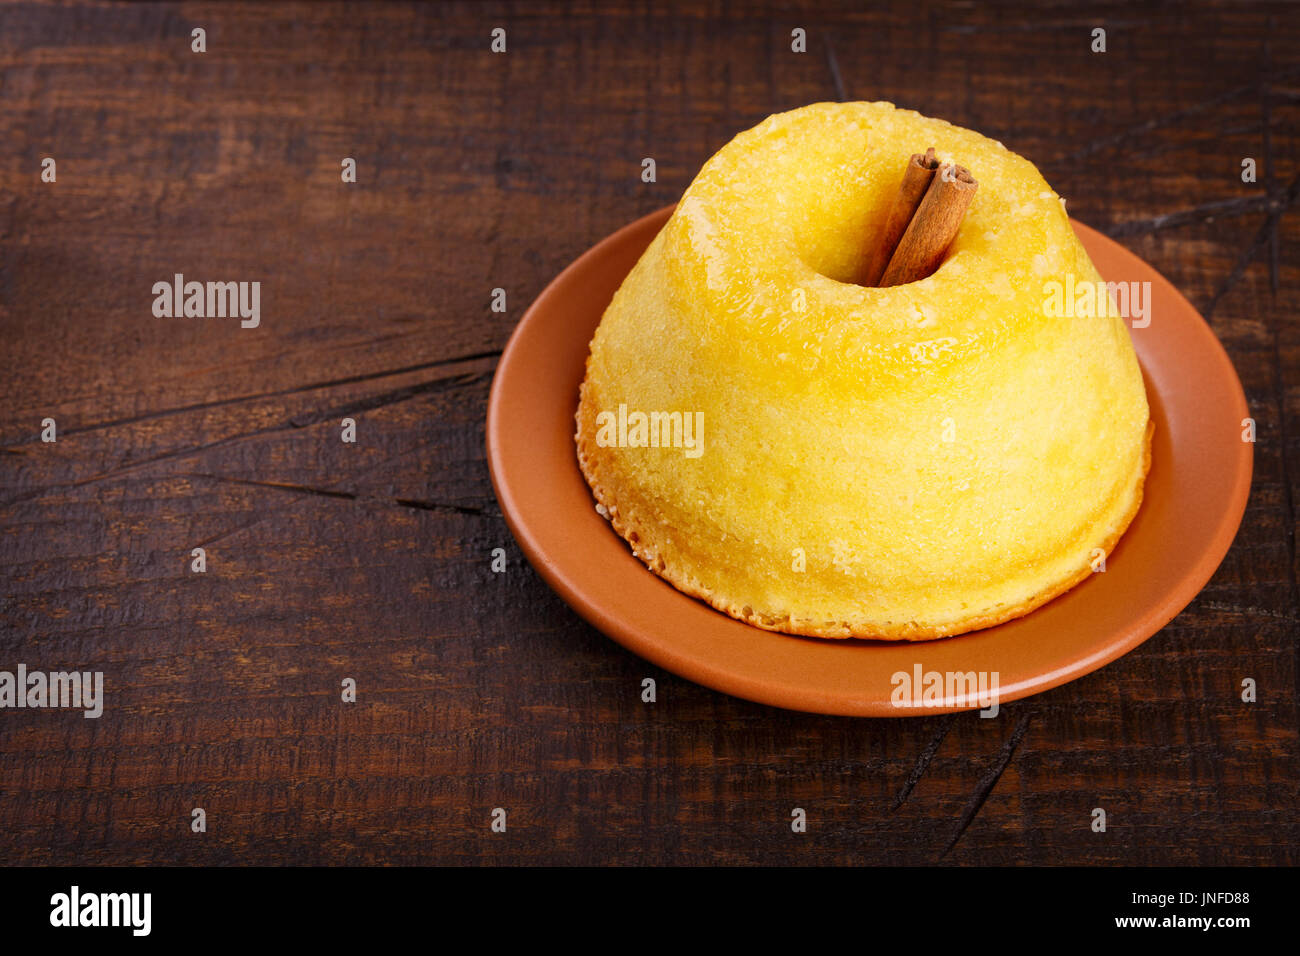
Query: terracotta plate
x=1195, y=496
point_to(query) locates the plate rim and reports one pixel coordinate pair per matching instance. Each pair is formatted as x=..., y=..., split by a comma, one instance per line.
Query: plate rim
x=798, y=697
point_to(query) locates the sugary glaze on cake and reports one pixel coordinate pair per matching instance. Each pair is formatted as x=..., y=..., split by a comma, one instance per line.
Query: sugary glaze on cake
x=901, y=463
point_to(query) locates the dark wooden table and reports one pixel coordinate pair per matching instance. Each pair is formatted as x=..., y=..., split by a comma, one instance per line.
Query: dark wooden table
x=371, y=560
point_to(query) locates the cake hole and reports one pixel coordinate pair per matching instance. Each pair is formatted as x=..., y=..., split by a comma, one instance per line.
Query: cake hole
x=849, y=215
x=835, y=238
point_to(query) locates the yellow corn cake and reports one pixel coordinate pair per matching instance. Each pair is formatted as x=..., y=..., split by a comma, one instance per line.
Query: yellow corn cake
x=822, y=458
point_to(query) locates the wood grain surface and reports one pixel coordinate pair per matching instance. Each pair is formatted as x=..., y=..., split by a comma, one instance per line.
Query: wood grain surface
x=372, y=560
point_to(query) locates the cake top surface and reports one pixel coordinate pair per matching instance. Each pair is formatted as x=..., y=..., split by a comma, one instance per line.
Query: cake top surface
x=764, y=246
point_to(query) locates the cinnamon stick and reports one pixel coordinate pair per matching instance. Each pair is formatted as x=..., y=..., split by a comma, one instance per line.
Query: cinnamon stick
x=933, y=227
x=916, y=180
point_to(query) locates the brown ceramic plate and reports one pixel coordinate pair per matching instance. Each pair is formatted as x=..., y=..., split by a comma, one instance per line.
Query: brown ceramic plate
x=1195, y=496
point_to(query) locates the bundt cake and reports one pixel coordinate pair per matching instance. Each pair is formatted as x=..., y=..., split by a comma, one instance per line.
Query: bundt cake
x=824, y=458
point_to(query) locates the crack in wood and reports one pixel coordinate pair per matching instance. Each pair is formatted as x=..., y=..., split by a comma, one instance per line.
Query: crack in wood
x=387, y=398
x=1205, y=212
x=305, y=491
x=990, y=780
x=441, y=384
x=1253, y=250
x=327, y=492
x=923, y=761
x=833, y=65
x=1167, y=119
x=262, y=396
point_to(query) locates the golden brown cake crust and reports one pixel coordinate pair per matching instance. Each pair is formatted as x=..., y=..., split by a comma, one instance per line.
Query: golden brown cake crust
x=640, y=537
